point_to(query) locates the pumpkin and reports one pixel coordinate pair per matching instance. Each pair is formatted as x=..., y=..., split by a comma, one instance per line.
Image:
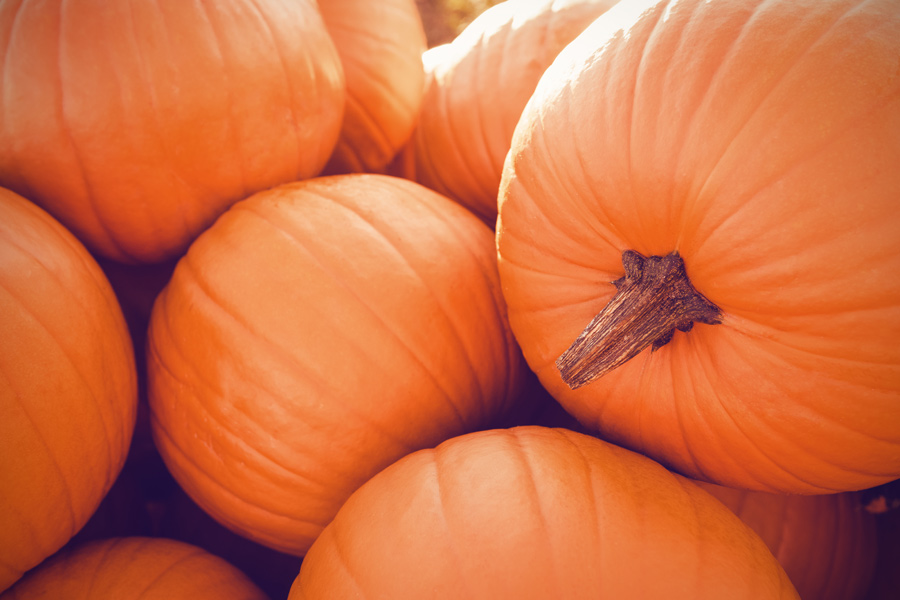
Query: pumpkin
x=699, y=238
x=535, y=513
x=315, y=334
x=827, y=543
x=68, y=395
x=380, y=45
x=136, y=123
x=476, y=88
x=133, y=568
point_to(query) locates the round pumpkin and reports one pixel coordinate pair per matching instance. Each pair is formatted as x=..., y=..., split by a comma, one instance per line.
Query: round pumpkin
x=135, y=568
x=476, y=88
x=315, y=334
x=380, y=45
x=136, y=123
x=535, y=513
x=699, y=238
x=68, y=395
x=827, y=544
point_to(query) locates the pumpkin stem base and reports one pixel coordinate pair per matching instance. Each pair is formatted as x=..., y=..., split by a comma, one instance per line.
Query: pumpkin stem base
x=653, y=299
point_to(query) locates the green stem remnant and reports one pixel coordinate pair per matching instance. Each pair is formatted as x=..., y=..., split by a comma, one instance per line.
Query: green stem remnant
x=653, y=299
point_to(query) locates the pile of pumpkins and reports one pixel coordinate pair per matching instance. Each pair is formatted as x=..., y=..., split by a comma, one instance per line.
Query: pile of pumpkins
x=310, y=309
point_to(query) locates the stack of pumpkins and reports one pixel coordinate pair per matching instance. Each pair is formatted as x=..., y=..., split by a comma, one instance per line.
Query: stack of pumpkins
x=451, y=322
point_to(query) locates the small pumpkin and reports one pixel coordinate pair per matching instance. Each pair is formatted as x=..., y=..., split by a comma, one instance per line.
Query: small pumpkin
x=380, y=45
x=137, y=123
x=68, y=395
x=535, y=513
x=826, y=543
x=476, y=88
x=315, y=334
x=699, y=238
x=135, y=568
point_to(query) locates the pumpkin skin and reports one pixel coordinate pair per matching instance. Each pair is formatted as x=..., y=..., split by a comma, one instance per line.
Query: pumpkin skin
x=135, y=568
x=760, y=141
x=154, y=117
x=827, y=543
x=476, y=88
x=534, y=513
x=68, y=395
x=315, y=334
x=380, y=45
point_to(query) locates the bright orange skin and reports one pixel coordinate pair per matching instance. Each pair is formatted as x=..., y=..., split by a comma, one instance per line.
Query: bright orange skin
x=315, y=334
x=68, y=390
x=380, y=45
x=137, y=123
x=761, y=141
x=535, y=513
x=476, y=88
x=826, y=543
x=135, y=568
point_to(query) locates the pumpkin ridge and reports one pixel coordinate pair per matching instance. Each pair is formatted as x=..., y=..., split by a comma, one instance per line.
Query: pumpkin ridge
x=95, y=404
x=465, y=590
x=284, y=357
x=452, y=326
x=227, y=491
x=295, y=127
x=236, y=148
x=519, y=450
x=791, y=64
x=74, y=519
x=378, y=318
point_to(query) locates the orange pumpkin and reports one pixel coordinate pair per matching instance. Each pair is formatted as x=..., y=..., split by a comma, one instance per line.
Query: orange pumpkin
x=380, y=45
x=730, y=166
x=316, y=333
x=476, y=88
x=535, y=513
x=68, y=395
x=137, y=123
x=135, y=568
x=827, y=543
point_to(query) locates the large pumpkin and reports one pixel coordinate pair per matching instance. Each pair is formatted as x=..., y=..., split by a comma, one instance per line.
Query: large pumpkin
x=535, y=513
x=68, y=392
x=476, y=88
x=731, y=165
x=135, y=568
x=137, y=122
x=316, y=333
x=380, y=45
x=827, y=543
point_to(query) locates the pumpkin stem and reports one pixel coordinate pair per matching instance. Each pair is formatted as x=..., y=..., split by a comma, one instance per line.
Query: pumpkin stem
x=653, y=299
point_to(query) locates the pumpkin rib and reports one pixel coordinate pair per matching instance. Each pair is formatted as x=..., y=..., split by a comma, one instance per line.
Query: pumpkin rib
x=473, y=370
x=180, y=561
x=295, y=127
x=227, y=491
x=435, y=455
x=308, y=372
x=375, y=132
x=67, y=488
x=535, y=496
x=810, y=403
x=95, y=404
x=223, y=420
x=497, y=307
x=837, y=135
x=369, y=310
x=774, y=83
x=755, y=444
